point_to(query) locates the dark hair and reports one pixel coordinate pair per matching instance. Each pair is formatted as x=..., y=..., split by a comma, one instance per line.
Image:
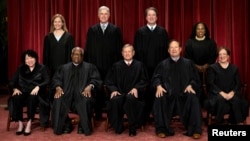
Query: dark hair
x=151, y=8
x=30, y=53
x=193, y=33
x=225, y=48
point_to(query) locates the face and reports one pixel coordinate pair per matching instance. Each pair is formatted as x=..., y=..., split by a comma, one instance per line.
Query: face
x=128, y=53
x=30, y=61
x=77, y=56
x=223, y=56
x=151, y=17
x=58, y=24
x=200, y=30
x=174, y=49
x=103, y=16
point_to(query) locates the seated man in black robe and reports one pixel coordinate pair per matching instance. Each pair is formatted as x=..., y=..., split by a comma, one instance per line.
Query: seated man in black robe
x=177, y=93
x=74, y=83
x=126, y=82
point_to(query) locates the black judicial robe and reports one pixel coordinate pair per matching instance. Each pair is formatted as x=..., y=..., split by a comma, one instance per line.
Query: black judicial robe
x=56, y=53
x=73, y=81
x=201, y=52
x=103, y=49
x=123, y=78
x=26, y=80
x=174, y=78
x=225, y=79
x=151, y=47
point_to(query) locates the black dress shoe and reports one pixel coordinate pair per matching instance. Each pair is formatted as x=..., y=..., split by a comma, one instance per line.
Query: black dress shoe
x=170, y=132
x=132, y=132
x=20, y=132
x=67, y=130
x=27, y=134
x=80, y=130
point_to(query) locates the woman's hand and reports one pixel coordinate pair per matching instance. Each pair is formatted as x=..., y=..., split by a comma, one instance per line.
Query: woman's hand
x=35, y=90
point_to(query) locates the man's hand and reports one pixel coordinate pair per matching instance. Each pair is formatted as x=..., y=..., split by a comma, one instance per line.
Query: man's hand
x=189, y=89
x=59, y=92
x=87, y=91
x=134, y=92
x=160, y=91
x=114, y=93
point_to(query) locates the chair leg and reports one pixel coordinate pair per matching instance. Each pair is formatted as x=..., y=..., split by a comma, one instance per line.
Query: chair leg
x=8, y=122
x=107, y=125
x=209, y=119
x=142, y=128
x=92, y=122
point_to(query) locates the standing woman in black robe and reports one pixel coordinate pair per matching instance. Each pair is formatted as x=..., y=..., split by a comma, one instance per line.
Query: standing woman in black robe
x=224, y=90
x=28, y=83
x=103, y=48
x=151, y=43
x=201, y=49
x=56, y=52
x=57, y=44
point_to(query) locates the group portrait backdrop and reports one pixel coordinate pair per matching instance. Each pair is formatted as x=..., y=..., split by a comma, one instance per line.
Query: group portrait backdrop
x=228, y=21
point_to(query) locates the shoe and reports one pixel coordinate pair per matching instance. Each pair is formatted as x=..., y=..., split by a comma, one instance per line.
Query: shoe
x=20, y=132
x=132, y=132
x=170, y=132
x=67, y=130
x=196, y=136
x=27, y=134
x=187, y=134
x=161, y=135
x=80, y=130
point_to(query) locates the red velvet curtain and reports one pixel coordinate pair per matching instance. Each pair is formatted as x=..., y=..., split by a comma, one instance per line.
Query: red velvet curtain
x=228, y=21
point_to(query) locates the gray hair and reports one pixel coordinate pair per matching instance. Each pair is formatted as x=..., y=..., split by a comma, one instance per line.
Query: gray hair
x=78, y=48
x=103, y=8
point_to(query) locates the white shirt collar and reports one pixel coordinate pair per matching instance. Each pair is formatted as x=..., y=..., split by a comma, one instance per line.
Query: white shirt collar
x=130, y=62
x=149, y=26
x=175, y=58
x=105, y=24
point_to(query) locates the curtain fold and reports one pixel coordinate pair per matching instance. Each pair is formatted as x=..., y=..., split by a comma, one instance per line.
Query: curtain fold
x=228, y=21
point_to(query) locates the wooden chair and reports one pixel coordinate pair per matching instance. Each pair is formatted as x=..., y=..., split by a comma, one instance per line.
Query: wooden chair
x=76, y=119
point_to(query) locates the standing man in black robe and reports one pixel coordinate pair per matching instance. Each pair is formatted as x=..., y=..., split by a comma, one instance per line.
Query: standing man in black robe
x=74, y=83
x=126, y=82
x=103, y=48
x=177, y=85
x=151, y=42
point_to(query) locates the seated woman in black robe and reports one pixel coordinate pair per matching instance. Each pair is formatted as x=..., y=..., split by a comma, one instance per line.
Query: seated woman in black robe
x=224, y=90
x=28, y=83
x=126, y=82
